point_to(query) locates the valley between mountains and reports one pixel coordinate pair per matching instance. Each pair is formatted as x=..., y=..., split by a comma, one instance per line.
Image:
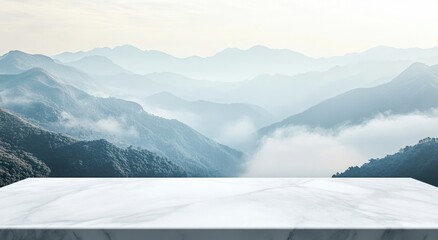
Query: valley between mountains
x=258, y=112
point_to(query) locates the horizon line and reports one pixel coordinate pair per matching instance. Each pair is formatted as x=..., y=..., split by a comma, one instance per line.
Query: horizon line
x=4, y=52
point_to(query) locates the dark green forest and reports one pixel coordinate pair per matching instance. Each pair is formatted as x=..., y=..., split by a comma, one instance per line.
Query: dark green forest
x=419, y=162
x=28, y=151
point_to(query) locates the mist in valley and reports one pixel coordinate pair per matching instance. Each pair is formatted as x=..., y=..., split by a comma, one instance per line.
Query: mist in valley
x=236, y=111
x=253, y=121
x=303, y=152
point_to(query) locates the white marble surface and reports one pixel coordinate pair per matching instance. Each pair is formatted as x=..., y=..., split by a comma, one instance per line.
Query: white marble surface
x=219, y=203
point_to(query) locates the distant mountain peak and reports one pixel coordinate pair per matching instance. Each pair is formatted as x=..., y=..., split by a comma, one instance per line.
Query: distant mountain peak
x=127, y=47
x=234, y=50
x=417, y=73
x=264, y=49
x=94, y=58
x=37, y=74
x=259, y=47
x=228, y=51
x=165, y=96
x=100, y=57
x=16, y=54
x=97, y=65
x=416, y=67
x=36, y=70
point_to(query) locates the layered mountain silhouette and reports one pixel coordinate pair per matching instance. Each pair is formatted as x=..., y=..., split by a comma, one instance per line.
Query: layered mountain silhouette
x=231, y=64
x=284, y=90
x=97, y=65
x=210, y=96
x=210, y=118
x=284, y=95
x=15, y=62
x=415, y=89
x=419, y=161
x=223, y=112
x=139, y=86
x=28, y=151
x=386, y=53
x=48, y=102
x=234, y=64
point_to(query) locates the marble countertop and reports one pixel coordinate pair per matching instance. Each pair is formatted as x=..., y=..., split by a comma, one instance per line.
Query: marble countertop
x=219, y=203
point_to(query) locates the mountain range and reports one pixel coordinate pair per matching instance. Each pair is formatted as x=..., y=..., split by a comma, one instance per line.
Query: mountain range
x=284, y=95
x=168, y=116
x=50, y=103
x=214, y=120
x=129, y=85
x=419, y=161
x=284, y=92
x=15, y=62
x=234, y=64
x=28, y=151
x=415, y=89
x=228, y=65
x=97, y=65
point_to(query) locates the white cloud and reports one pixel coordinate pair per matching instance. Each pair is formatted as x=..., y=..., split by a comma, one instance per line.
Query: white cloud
x=109, y=125
x=237, y=134
x=7, y=98
x=296, y=152
x=113, y=126
x=186, y=117
x=299, y=152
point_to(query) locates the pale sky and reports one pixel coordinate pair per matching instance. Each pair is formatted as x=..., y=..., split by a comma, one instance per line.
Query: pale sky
x=203, y=27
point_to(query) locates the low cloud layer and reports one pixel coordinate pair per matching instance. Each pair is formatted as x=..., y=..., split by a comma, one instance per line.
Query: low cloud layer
x=237, y=133
x=110, y=125
x=300, y=152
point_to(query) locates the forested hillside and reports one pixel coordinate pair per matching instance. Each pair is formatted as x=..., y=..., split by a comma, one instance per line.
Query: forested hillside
x=28, y=151
x=419, y=161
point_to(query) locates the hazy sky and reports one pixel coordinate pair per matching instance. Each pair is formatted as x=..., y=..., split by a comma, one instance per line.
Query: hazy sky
x=203, y=27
